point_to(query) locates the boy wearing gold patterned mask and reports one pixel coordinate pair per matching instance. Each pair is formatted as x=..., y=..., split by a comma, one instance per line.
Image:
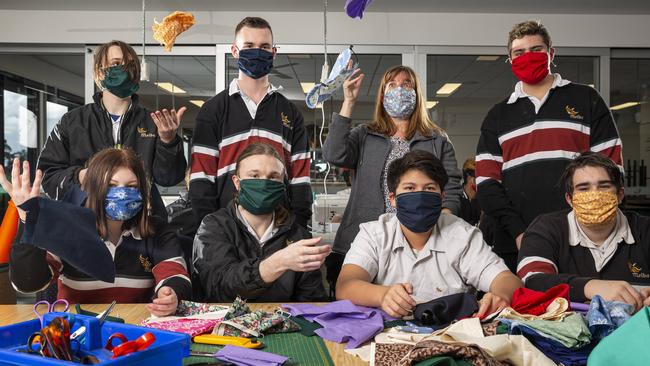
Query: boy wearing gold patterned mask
x=595, y=248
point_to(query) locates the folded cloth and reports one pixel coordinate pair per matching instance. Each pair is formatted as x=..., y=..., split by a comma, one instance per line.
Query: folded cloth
x=189, y=308
x=440, y=312
x=556, y=310
x=355, y=8
x=527, y=301
x=551, y=348
x=627, y=345
x=342, y=321
x=193, y=327
x=191, y=318
x=68, y=231
x=605, y=316
x=572, y=332
x=325, y=89
x=241, y=356
x=579, y=307
x=240, y=321
x=402, y=354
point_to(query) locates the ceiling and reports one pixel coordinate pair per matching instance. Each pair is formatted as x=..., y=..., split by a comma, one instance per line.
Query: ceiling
x=454, y=6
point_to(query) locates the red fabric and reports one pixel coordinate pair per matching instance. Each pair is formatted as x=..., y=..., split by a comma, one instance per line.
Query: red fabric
x=527, y=301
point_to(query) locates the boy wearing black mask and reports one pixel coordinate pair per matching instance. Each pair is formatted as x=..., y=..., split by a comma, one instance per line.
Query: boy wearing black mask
x=250, y=110
x=528, y=140
x=417, y=254
x=115, y=119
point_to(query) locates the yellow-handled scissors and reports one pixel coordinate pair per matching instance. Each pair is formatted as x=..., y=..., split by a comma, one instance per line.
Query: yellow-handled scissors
x=226, y=340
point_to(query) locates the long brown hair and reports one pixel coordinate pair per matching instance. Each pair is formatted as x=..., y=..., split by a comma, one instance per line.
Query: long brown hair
x=281, y=212
x=101, y=168
x=129, y=58
x=419, y=121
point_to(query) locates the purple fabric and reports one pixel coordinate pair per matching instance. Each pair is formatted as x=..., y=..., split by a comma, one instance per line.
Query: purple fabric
x=579, y=307
x=249, y=357
x=342, y=321
x=355, y=8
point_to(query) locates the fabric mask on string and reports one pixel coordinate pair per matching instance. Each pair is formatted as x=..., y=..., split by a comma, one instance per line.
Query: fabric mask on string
x=324, y=90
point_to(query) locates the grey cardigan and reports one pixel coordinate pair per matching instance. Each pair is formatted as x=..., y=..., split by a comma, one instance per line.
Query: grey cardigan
x=366, y=152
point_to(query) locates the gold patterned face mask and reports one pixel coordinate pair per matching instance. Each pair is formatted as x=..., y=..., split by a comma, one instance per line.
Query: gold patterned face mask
x=595, y=208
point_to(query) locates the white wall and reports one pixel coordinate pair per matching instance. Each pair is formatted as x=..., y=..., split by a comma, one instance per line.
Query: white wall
x=571, y=30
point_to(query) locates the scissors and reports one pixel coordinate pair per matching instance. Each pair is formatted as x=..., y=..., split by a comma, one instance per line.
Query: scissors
x=53, y=340
x=80, y=334
x=50, y=308
x=141, y=343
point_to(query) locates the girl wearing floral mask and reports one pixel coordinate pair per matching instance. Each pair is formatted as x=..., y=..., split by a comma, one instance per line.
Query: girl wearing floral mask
x=253, y=247
x=400, y=124
x=147, y=259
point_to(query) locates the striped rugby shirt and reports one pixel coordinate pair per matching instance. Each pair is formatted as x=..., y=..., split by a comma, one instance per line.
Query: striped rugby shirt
x=526, y=144
x=225, y=126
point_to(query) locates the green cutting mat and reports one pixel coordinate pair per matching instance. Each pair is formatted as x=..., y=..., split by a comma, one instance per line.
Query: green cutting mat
x=301, y=350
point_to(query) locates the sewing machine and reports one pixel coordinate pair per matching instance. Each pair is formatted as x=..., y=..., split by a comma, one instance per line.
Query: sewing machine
x=327, y=214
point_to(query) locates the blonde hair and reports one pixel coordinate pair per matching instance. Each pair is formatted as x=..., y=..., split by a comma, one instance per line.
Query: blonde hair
x=419, y=120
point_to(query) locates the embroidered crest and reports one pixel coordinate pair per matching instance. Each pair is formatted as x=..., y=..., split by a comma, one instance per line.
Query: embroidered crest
x=288, y=242
x=636, y=271
x=145, y=262
x=573, y=113
x=143, y=133
x=285, y=120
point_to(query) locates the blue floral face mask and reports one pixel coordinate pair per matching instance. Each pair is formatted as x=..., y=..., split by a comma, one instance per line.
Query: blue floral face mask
x=122, y=203
x=400, y=102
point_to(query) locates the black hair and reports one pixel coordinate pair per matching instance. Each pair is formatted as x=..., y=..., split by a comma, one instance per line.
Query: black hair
x=593, y=159
x=421, y=160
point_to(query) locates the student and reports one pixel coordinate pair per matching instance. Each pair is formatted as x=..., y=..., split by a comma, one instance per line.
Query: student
x=114, y=119
x=528, y=139
x=401, y=124
x=470, y=210
x=250, y=110
x=595, y=247
x=417, y=254
x=148, y=261
x=254, y=248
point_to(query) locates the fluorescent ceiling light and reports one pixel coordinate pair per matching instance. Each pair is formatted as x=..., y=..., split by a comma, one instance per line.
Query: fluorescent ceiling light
x=624, y=105
x=306, y=87
x=197, y=102
x=487, y=58
x=431, y=103
x=171, y=88
x=448, y=89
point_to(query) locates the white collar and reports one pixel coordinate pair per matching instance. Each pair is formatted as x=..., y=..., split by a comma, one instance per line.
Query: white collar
x=234, y=88
x=621, y=232
x=268, y=234
x=519, y=89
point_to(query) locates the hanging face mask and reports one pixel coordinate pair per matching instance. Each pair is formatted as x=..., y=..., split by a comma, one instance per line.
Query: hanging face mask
x=400, y=102
x=594, y=208
x=260, y=196
x=117, y=81
x=122, y=203
x=531, y=67
x=419, y=211
x=255, y=62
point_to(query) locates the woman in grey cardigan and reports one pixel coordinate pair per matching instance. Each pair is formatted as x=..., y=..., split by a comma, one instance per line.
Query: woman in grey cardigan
x=401, y=124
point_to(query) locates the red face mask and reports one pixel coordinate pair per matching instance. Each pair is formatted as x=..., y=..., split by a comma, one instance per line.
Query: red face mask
x=531, y=67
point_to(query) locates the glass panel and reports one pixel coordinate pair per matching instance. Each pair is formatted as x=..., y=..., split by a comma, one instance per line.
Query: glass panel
x=54, y=113
x=297, y=73
x=485, y=81
x=15, y=106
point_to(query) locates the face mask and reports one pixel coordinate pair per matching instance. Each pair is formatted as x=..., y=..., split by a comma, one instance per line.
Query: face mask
x=419, y=211
x=260, y=196
x=117, y=81
x=531, y=67
x=255, y=62
x=594, y=208
x=122, y=203
x=399, y=102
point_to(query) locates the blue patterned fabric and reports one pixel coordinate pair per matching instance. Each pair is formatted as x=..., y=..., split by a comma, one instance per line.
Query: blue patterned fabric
x=605, y=316
x=400, y=102
x=340, y=71
x=122, y=203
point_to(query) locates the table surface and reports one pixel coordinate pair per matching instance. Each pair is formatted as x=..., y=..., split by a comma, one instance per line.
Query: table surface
x=135, y=313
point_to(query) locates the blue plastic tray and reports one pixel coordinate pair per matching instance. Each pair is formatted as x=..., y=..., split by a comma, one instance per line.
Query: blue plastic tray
x=169, y=348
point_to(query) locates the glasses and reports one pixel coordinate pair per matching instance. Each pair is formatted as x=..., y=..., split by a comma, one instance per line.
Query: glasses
x=407, y=84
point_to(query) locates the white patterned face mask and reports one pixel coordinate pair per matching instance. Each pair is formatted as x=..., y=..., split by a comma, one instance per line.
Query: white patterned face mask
x=400, y=102
x=324, y=90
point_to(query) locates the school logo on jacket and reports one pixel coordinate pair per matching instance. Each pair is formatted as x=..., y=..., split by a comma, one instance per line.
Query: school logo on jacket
x=144, y=134
x=145, y=262
x=637, y=271
x=573, y=113
x=285, y=120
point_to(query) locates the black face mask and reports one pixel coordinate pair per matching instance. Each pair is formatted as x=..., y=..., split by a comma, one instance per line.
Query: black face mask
x=419, y=211
x=255, y=62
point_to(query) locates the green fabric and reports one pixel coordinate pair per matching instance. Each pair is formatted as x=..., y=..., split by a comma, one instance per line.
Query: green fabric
x=502, y=328
x=627, y=345
x=307, y=328
x=118, y=82
x=261, y=196
x=442, y=361
x=572, y=332
x=301, y=350
x=394, y=323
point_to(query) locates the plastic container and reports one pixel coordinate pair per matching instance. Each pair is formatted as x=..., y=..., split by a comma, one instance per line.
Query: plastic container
x=169, y=348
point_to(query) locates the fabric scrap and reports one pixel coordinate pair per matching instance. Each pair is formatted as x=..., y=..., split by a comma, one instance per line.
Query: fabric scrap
x=605, y=316
x=527, y=301
x=627, y=345
x=241, y=356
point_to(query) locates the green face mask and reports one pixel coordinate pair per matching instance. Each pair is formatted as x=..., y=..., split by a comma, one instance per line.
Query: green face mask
x=260, y=196
x=117, y=81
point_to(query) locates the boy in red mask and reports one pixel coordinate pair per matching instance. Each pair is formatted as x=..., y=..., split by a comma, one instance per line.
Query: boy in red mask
x=528, y=140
